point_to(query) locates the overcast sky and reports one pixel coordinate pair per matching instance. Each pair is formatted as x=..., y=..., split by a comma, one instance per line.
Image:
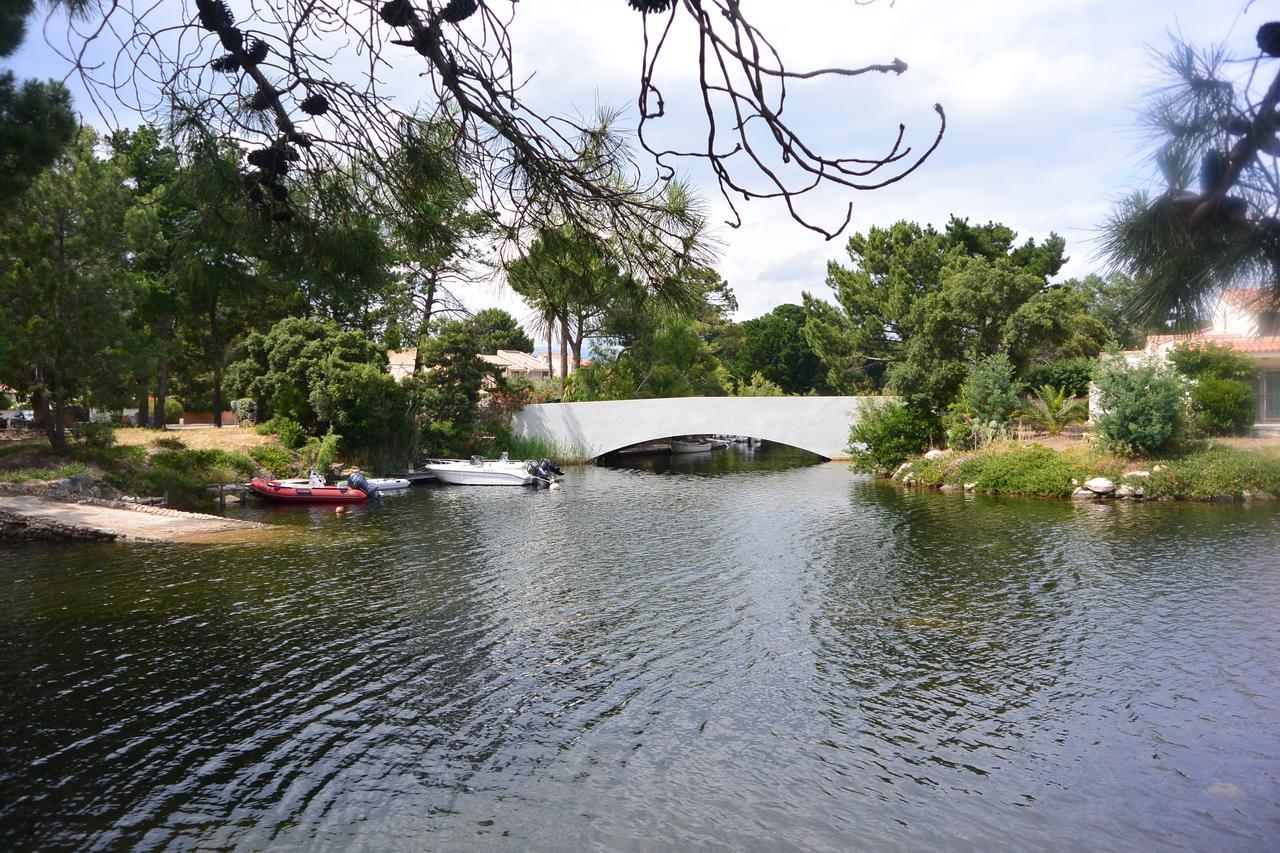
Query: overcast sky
x=1040, y=99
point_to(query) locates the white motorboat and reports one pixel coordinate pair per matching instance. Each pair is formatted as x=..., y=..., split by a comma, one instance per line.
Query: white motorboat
x=680, y=445
x=388, y=484
x=480, y=472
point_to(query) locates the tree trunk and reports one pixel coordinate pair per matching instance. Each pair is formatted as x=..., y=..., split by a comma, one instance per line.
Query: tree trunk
x=143, y=416
x=551, y=365
x=215, y=346
x=165, y=331
x=425, y=326
x=564, y=354
x=59, y=419
x=40, y=404
x=575, y=344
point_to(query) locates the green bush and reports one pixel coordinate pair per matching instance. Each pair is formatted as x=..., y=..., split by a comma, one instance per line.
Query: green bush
x=989, y=393
x=246, y=409
x=1143, y=406
x=205, y=466
x=759, y=386
x=1222, y=406
x=887, y=434
x=1213, y=472
x=169, y=442
x=173, y=410
x=278, y=461
x=1208, y=360
x=267, y=427
x=291, y=433
x=176, y=487
x=1072, y=375
x=94, y=436
x=1031, y=470
x=321, y=453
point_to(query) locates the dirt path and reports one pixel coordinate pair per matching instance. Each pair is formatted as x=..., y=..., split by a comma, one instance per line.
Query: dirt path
x=31, y=517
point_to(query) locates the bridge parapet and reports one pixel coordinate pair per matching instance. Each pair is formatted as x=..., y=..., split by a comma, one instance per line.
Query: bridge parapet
x=817, y=424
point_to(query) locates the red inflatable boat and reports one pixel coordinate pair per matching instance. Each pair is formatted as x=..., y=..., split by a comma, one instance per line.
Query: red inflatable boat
x=302, y=493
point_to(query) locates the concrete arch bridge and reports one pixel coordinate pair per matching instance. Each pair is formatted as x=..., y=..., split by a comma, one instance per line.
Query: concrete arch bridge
x=817, y=424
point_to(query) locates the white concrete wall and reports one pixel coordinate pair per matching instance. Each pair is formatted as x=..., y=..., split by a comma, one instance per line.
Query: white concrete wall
x=817, y=424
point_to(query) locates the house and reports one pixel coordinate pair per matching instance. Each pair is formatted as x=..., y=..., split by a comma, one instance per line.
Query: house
x=400, y=362
x=509, y=362
x=1246, y=319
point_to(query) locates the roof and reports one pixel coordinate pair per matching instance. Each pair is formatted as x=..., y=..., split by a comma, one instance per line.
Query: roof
x=400, y=362
x=515, y=360
x=1239, y=343
x=1255, y=298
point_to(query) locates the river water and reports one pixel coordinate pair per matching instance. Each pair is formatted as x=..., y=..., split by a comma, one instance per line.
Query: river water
x=746, y=652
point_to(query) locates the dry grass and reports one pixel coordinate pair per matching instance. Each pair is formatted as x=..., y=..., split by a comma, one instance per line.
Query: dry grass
x=230, y=439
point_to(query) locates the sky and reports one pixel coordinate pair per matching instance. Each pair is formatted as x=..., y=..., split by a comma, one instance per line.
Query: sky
x=1041, y=101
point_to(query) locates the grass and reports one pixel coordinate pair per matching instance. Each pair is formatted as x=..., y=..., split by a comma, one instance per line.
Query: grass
x=21, y=475
x=541, y=448
x=1203, y=471
x=231, y=438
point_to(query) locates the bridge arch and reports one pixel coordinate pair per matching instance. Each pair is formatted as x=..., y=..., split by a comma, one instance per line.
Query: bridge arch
x=817, y=424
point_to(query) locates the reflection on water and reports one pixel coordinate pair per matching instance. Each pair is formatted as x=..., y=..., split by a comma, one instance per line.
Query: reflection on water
x=738, y=653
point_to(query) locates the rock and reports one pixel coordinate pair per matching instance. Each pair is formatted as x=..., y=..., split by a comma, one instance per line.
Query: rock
x=1260, y=495
x=1082, y=494
x=948, y=488
x=33, y=484
x=905, y=466
x=1156, y=469
x=934, y=454
x=968, y=487
x=1100, y=486
x=1074, y=481
x=1124, y=490
x=1137, y=473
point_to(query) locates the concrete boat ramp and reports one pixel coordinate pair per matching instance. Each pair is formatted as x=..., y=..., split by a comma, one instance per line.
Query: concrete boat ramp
x=25, y=516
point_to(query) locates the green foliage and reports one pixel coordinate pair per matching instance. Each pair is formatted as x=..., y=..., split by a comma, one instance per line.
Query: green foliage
x=445, y=401
x=1212, y=361
x=278, y=461
x=774, y=346
x=21, y=475
x=759, y=387
x=246, y=410
x=1072, y=375
x=670, y=359
x=910, y=288
x=990, y=393
x=495, y=329
x=169, y=442
x=540, y=448
x=176, y=487
x=36, y=124
x=1214, y=471
x=1143, y=406
x=320, y=453
x=173, y=410
x=291, y=433
x=1052, y=410
x=99, y=436
x=208, y=466
x=1029, y=470
x=1222, y=406
x=886, y=434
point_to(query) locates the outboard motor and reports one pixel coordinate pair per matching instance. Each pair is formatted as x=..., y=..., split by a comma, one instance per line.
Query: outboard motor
x=551, y=468
x=539, y=476
x=359, y=481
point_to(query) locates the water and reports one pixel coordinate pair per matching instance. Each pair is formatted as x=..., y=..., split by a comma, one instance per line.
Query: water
x=725, y=653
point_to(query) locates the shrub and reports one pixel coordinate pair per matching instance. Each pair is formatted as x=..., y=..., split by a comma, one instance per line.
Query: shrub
x=100, y=435
x=990, y=394
x=267, y=427
x=1030, y=470
x=1213, y=472
x=321, y=453
x=169, y=443
x=1072, y=375
x=759, y=387
x=276, y=460
x=1208, y=360
x=887, y=434
x=173, y=410
x=1143, y=406
x=205, y=466
x=1052, y=411
x=291, y=433
x=1222, y=406
x=246, y=409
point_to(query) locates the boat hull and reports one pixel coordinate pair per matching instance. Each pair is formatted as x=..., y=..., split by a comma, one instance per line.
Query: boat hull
x=274, y=490
x=691, y=446
x=488, y=474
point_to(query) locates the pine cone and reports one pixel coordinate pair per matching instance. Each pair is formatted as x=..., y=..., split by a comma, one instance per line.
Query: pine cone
x=1213, y=166
x=263, y=99
x=316, y=105
x=214, y=15
x=645, y=7
x=228, y=64
x=231, y=38
x=257, y=51
x=1269, y=38
x=271, y=161
x=458, y=11
x=397, y=13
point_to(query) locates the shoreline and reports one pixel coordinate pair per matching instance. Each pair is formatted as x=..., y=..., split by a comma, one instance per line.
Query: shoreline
x=1205, y=472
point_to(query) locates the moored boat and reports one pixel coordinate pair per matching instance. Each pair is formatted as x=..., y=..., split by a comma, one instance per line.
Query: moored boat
x=680, y=445
x=305, y=492
x=480, y=472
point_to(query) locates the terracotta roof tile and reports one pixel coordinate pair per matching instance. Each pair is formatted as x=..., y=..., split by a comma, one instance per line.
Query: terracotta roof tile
x=1239, y=343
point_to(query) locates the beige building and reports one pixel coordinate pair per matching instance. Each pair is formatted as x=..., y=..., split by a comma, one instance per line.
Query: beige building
x=1246, y=319
x=509, y=362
